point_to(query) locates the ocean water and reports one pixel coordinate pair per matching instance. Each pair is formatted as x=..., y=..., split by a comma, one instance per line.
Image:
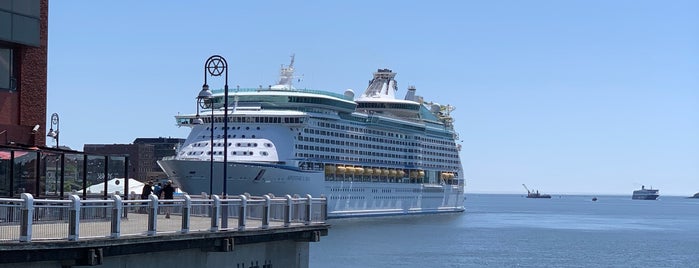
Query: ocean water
x=513, y=231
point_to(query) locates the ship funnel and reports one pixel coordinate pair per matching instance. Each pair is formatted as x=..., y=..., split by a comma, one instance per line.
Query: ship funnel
x=382, y=86
x=410, y=95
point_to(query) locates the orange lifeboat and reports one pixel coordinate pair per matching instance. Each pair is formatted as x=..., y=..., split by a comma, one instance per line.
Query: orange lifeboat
x=385, y=172
x=358, y=171
x=329, y=169
x=341, y=169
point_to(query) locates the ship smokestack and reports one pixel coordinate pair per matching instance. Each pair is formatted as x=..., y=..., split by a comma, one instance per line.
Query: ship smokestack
x=410, y=95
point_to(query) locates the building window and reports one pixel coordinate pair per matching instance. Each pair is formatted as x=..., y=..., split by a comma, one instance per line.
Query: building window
x=7, y=81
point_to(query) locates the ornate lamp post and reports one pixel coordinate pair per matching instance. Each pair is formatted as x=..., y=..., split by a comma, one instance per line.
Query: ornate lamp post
x=204, y=100
x=217, y=66
x=54, y=134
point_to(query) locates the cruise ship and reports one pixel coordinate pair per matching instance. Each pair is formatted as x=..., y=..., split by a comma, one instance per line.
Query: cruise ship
x=645, y=194
x=374, y=154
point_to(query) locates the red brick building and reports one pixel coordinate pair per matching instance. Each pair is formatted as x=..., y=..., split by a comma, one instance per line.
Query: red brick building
x=23, y=68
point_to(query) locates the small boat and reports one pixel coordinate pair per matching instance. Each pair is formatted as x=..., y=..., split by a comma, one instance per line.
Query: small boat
x=695, y=196
x=535, y=194
x=594, y=199
x=645, y=194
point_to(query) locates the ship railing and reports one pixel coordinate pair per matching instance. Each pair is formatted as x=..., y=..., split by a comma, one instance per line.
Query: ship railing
x=27, y=219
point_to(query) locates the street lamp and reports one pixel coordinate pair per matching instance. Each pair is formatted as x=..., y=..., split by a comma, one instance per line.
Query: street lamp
x=217, y=66
x=52, y=133
x=205, y=98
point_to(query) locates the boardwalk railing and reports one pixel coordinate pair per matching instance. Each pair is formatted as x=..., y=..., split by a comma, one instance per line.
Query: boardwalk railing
x=28, y=219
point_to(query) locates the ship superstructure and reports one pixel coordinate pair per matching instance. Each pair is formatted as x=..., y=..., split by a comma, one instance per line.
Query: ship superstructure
x=645, y=194
x=373, y=155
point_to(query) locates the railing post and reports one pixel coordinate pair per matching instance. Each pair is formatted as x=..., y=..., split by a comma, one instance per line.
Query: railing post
x=242, y=215
x=225, y=204
x=324, y=208
x=287, y=211
x=215, y=210
x=27, y=214
x=74, y=218
x=152, y=215
x=116, y=216
x=186, y=213
x=265, y=212
x=309, y=200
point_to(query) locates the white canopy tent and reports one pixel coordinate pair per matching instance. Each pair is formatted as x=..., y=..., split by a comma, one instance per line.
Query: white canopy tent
x=116, y=185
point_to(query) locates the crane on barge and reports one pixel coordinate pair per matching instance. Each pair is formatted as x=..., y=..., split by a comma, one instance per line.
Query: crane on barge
x=535, y=194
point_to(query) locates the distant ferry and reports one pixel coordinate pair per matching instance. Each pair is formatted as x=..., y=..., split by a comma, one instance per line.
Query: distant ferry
x=373, y=155
x=645, y=194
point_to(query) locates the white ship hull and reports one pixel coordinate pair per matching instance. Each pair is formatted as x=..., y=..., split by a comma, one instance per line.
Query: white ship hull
x=345, y=198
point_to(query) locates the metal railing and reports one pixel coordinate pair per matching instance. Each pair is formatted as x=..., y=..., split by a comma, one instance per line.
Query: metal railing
x=28, y=219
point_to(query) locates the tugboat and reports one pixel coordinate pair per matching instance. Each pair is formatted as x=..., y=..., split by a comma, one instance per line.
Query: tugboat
x=645, y=194
x=535, y=194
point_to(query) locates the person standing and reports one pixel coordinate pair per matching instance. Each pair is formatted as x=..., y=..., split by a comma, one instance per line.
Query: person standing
x=158, y=191
x=147, y=190
x=168, y=192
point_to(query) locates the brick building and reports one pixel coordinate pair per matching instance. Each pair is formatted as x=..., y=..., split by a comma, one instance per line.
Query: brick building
x=23, y=69
x=143, y=154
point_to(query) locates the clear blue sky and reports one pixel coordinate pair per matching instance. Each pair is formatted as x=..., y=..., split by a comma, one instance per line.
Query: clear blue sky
x=594, y=97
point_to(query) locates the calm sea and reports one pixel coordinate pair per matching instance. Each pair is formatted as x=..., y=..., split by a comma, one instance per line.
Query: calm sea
x=513, y=231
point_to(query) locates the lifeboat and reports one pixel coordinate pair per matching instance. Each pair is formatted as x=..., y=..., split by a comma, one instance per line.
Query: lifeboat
x=392, y=173
x=385, y=172
x=329, y=169
x=443, y=175
x=401, y=173
x=377, y=172
x=368, y=171
x=413, y=174
x=450, y=175
x=420, y=174
x=358, y=171
x=341, y=169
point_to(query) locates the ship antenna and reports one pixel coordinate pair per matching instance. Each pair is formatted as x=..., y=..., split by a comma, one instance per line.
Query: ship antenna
x=286, y=74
